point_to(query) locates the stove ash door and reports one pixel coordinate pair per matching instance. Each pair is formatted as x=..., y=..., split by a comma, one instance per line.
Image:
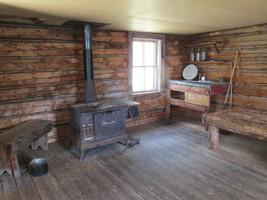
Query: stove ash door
x=110, y=123
x=87, y=132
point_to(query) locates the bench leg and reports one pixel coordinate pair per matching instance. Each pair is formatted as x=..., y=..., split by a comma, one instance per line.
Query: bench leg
x=213, y=137
x=42, y=142
x=8, y=162
x=15, y=165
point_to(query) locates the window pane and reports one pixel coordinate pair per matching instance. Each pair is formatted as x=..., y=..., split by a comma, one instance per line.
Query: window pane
x=145, y=65
x=149, y=74
x=149, y=53
x=137, y=53
x=138, y=79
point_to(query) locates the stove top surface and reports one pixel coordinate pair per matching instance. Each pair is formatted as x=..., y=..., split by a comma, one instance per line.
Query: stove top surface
x=102, y=105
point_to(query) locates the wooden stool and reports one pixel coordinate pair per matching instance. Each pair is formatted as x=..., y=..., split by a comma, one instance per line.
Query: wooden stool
x=32, y=132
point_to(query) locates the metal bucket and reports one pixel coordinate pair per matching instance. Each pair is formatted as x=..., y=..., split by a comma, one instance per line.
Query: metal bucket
x=38, y=167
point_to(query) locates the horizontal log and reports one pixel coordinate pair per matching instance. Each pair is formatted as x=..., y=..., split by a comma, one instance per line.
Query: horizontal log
x=143, y=121
x=259, y=102
x=147, y=96
x=151, y=114
x=251, y=90
x=67, y=78
x=52, y=52
x=188, y=89
x=242, y=30
x=116, y=95
x=43, y=104
x=37, y=91
x=152, y=103
x=174, y=76
x=58, y=117
x=231, y=33
x=173, y=60
x=174, y=70
x=112, y=75
x=111, y=51
x=173, y=50
x=37, y=64
x=55, y=33
x=37, y=75
x=42, y=45
x=174, y=40
x=61, y=129
x=110, y=36
x=188, y=105
x=119, y=61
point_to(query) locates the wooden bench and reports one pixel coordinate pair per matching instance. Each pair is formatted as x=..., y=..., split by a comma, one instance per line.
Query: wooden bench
x=244, y=120
x=32, y=132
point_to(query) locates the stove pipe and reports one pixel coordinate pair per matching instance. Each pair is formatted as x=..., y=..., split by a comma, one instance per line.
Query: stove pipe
x=89, y=84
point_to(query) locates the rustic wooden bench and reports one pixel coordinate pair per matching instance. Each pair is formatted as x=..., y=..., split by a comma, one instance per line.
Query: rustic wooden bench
x=244, y=120
x=32, y=132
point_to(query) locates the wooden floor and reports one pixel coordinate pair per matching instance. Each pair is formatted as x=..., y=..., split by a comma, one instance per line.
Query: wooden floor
x=171, y=162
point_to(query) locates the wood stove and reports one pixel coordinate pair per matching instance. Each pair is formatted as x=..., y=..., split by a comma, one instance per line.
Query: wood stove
x=97, y=122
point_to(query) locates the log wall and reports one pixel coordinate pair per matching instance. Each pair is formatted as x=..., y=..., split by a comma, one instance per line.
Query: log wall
x=41, y=73
x=250, y=79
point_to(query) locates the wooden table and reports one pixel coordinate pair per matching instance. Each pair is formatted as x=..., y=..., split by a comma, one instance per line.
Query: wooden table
x=244, y=120
x=32, y=132
x=197, y=94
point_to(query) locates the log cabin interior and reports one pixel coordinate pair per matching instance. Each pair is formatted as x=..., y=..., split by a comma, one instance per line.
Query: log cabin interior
x=133, y=99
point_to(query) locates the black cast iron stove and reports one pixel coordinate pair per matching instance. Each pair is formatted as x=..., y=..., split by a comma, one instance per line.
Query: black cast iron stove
x=98, y=122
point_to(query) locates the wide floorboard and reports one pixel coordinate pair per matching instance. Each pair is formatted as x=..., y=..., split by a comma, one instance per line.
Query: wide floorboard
x=171, y=162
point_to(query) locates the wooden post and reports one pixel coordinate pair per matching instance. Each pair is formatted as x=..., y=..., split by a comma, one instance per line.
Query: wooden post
x=213, y=137
x=168, y=105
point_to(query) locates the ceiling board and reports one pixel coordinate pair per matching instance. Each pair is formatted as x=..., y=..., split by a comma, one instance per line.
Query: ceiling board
x=160, y=16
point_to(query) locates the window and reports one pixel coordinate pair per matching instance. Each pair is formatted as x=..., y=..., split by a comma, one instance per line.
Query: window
x=146, y=62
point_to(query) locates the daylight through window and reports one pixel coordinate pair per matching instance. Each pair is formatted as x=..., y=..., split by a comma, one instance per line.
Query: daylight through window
x=146, y=65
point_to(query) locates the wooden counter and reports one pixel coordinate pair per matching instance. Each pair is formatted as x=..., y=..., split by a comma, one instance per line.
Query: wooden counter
x=196, y=94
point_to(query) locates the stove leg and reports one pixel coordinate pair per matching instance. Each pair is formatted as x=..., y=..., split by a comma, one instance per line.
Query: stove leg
x=81, y=155
x=70, y=143
x=127, y=143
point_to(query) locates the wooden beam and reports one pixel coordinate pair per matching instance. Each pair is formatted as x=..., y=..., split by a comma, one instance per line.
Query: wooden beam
x=177, y=102
x=188, y=89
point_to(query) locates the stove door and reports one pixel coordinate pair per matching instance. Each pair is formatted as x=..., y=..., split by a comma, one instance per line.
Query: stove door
x=110, y=123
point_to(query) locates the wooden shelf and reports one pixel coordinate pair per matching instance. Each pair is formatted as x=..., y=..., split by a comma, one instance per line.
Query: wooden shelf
x=206, y=62
x=214, y=44
x=200, y=44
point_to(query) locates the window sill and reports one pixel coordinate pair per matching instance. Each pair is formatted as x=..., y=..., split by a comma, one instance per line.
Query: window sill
x=146, y=93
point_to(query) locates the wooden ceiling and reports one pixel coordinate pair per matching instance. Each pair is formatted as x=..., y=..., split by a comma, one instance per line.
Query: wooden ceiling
x=183, y=17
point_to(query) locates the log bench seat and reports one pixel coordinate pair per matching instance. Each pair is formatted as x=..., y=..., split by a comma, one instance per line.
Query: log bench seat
x=32, y=132
x=245, y=120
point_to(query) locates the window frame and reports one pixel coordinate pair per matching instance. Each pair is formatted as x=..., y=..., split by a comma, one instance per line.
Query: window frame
x=161, y=68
